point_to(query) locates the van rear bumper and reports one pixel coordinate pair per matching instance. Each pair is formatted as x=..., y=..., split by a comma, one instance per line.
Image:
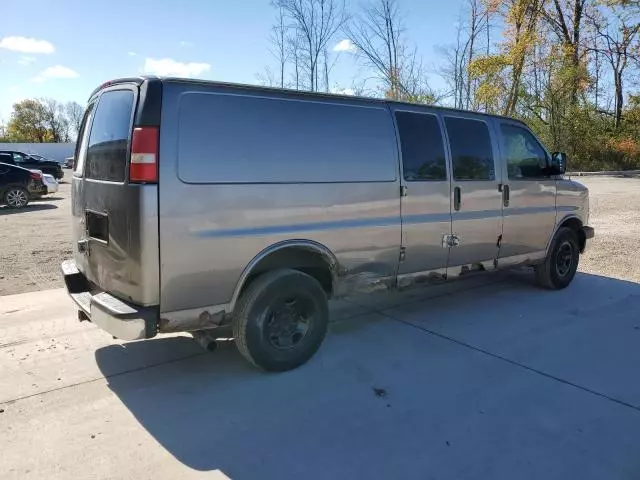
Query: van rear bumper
x=121, y=319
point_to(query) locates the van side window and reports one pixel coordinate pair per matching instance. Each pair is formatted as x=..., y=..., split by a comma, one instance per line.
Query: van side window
x=83, y=139
x=422, y=147
x=524, y=155
x=471, y=152
x=262, y=139
x=109, y=138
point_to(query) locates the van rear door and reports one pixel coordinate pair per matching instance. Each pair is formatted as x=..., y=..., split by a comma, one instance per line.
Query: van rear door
x=115, y=211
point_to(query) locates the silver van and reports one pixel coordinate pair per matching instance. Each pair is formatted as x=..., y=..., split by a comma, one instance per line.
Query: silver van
x=201, y=205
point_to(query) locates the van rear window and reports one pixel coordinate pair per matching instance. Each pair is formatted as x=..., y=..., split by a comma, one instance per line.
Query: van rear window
x=109, y=138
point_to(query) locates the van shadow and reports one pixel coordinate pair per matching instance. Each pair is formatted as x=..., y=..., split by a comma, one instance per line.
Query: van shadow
x=215, y=411
x=32, y=207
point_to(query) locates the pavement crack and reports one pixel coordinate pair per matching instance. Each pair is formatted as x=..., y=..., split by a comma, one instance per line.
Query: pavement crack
x=105, y=377
x=512, y=362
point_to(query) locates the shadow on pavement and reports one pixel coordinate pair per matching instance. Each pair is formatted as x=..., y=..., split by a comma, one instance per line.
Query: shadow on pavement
x=48, y=198
x=32, y=207
x=383, y=399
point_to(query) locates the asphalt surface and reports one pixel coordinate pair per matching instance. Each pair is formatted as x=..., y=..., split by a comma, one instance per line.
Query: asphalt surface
x=489, y=378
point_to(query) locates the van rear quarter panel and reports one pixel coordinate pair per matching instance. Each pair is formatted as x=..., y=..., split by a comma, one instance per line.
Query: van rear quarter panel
x=212, y=224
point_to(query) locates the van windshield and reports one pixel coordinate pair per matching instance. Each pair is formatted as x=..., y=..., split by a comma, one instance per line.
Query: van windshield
x=109, y=139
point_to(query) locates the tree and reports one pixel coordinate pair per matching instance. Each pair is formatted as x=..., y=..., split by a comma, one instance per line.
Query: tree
x=74, y=112
x=314, y=23
x=28, y=122
x=619, y=45
x=567, y=17
x=279, y=45
x=377, y=33
x=55, y=120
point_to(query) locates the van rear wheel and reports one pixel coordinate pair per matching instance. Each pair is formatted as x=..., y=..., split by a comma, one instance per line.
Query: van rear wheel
x=561, y=263
x=281, y=320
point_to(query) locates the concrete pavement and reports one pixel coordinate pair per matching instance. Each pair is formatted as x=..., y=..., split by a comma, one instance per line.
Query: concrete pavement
x=467, y=381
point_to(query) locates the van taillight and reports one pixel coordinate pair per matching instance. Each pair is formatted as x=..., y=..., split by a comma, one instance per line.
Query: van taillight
x=144, y=155
x=36, y=175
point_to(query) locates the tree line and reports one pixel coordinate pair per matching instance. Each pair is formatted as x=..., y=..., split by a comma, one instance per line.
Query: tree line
x=568, y=68
x=42, y=120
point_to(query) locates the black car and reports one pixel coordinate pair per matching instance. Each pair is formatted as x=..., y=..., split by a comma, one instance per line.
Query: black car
x=18, y=185
x=25, y=160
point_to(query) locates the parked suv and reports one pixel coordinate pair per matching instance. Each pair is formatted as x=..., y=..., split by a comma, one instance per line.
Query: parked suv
x=18, y=185
x=200, y=205
x=35, y=162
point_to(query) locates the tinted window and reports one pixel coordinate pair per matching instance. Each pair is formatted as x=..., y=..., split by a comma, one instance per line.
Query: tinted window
x=6, y=158
x=525, y=157
x=108, y=142
x=471, y=152
x=245, y=139
x=422, y=147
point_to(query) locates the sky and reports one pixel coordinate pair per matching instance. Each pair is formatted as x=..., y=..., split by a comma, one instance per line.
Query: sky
x=65, y=49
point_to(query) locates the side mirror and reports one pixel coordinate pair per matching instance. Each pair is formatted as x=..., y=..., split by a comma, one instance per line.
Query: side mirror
x=558, y=163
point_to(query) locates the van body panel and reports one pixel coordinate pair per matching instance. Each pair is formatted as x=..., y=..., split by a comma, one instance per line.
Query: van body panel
x=426, y=215
x=572, y=201
x=249, y=176
x=530, y=216
x=209, y=232
x=115, y=223
x=478, y=223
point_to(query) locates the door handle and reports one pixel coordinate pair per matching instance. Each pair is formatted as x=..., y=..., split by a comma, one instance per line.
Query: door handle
x=505, y=195
x=457, y=198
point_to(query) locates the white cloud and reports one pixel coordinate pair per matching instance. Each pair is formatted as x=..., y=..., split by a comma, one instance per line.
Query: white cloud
x=24, y=60
x=57, y=71
x=171, y=67
x=131, y=54
x=184, y=43
x=26, y=45
x=344, y=46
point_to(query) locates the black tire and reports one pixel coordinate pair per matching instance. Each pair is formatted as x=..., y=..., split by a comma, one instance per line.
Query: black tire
x=16, y=197
x=561, y=263
x=275, y=307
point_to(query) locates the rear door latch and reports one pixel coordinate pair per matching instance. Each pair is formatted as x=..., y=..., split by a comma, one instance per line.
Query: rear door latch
x=83, y=246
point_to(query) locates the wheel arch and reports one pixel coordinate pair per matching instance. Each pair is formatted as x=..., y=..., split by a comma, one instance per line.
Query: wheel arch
x=307, y=256
x=575, y=223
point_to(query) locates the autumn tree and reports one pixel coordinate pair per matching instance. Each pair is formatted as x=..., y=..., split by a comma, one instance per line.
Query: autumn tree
x=28, y=122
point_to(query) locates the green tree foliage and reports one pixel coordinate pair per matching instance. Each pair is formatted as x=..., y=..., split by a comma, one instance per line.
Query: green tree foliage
x=28, y=122
x=43, y=120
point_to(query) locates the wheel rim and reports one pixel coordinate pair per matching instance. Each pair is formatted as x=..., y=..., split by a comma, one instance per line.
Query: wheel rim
x=288, y=321
x=564, y=259
x=17, y=198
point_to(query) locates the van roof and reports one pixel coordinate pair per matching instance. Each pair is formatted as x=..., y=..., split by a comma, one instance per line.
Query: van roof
x=259, y=88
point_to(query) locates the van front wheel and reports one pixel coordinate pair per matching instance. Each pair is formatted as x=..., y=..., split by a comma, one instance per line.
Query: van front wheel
x=281, y=320
x=561, y=263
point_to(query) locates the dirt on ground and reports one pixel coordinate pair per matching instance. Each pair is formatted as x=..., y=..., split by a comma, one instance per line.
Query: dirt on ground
x=615, y=215
x=34, y=241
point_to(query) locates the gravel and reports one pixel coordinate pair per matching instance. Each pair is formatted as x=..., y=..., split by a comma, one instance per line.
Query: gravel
x=615, y=215
x=34, y=241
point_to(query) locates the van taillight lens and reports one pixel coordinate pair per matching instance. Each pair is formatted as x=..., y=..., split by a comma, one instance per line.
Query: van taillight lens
x=143, y=167
x=36, y=176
